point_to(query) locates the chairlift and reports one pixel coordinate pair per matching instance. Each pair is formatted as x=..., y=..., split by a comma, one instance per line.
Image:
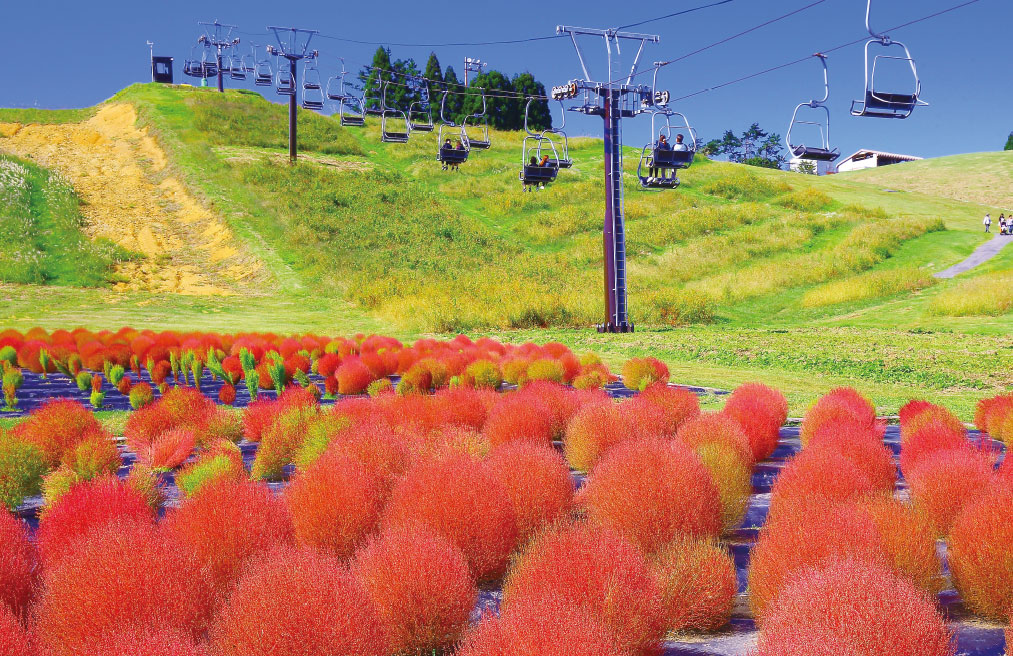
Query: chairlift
x=209, y=67
x=236, y=70
x=312, y=95
x=263, y=76
x=678, y=155
x=336, y=91
x=393, y=114
x=821, y=152
x=481, y=123
x=373, y=106
x=450, y=156
x=192, y=67
x=556, y=137
x=420, y=114
x=878, y=103
x=284, y=84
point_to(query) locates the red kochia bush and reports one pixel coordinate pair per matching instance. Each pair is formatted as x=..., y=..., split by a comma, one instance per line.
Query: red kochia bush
x=944, y=481
x=908, y=541
x=979, y=553
x=820, y=474
x=14, y=640
x=459, y=498
x=677, y=405
x=85, y=508
x=463, y=406
x=335, y=503
x=840, y=404
x=228, y=522
x=298, y=602
x=518, y=418
x=918, y=413
x=651, y=491
x=57, y=426
x=598, y=572
x=698, y=584
x=160, y=642
x=547, y=625
x=125, y=576
x=167, y=450
x=807, y=536
x=594, y=430
x=864, y=447
x=638, y=373
x=18, y=570
x=853, y=607
x=537, y=482
x=761, y=411
x=421, y=586
x=353, y=376
x=716, y=428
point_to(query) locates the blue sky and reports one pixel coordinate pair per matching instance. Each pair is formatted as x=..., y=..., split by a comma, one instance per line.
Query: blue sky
x=90, y=50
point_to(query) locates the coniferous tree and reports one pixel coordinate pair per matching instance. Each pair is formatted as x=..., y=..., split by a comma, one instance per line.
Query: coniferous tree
x=434, y=75
x=1009, y=142
x=454, y=97
x=371, y=78
x=539, y=116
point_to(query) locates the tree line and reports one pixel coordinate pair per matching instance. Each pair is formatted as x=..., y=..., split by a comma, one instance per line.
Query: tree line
x=504, y=113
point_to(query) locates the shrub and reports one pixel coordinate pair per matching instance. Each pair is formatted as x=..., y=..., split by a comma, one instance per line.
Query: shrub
x=978, y=553
x=908, y=541
x=733, y=480
x=460, y=499
x=561, y=402
x=482, y=374
x=281, y=440
x=929, y=436
x=94, y=457
x=992, y=411
x=14, y=639
x=373, y=444
x=546, y=625
x=517, y=418
x=223, y=460
x=760, y=411
x=55, y=484
x=854, y=607
x=228, y=523
x=819, y=473
x=151, y=642
x=548, y=369
x=421, y=586
x=168, y=450
x=804, y=537
x=379, y=387
x=842, y=404
x=698, y=584
x=597, y=572
x=863, y=447
x=594, y=430
x=677, y=404
x=353, y=377
x=83, y=509
x=18, y=569
x=639, y=373
x=943, y=482
x=335, y=503
x=915, y=415
x=463, y=406
x=56, y=426
x=141, y=395
x=22, y=467
x=227, y=394
x=652, y=491
x=124, y=576
x=537, y=482
x=716, y=428
x=297, y=601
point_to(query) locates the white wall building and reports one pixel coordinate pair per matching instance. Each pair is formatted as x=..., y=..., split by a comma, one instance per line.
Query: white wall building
x=870, y=159
x=822, y=167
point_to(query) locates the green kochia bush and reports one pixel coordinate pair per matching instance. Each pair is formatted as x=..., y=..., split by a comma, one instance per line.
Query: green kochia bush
x=21, y=469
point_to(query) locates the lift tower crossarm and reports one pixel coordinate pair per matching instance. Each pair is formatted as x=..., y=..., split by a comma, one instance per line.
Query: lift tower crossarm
x=214, y=37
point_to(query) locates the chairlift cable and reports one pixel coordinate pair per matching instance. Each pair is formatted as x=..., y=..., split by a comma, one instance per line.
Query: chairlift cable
x=673, y=15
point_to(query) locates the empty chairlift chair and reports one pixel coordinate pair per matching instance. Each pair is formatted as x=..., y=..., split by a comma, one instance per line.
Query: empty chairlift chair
x=312, y=93
x=479, y=136
x=451, y=156
x=192, y=67
x=420, y=114
x=667, y=161
x=821, y=150
x=263, y=75
x=392, y=119
x=878, y=103
x=284, y=84
x=350, y=111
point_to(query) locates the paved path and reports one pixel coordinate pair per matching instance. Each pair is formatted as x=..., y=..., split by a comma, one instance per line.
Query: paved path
x=983, y=254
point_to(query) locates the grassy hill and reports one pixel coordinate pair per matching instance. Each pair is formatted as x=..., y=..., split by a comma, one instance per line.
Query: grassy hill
x=741, y=273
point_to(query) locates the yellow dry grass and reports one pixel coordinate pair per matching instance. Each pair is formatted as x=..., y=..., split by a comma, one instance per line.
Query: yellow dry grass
x=114, y=166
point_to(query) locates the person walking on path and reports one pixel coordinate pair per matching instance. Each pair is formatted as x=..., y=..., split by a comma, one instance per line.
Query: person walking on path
x=987, y=222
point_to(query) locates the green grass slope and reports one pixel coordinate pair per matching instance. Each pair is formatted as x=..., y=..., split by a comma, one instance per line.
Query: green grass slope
x=739, y=274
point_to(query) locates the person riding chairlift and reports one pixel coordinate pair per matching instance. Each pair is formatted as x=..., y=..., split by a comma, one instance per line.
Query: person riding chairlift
x=446, y=146
x=544, y=162
x=662, y=144
x=456, y=165
x=532, y=162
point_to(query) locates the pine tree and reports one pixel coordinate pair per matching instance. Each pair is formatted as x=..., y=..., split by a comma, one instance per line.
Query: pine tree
x=1009, y=142
x=454, y=98
x=434, y=74
x=401, y=92
x=372, y=78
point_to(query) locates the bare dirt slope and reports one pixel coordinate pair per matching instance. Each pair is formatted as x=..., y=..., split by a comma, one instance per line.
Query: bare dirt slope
x=119, y=171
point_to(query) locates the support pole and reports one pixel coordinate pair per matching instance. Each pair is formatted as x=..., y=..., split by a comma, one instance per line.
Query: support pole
x=614, y=233
x=221, y=82
x=292, y=117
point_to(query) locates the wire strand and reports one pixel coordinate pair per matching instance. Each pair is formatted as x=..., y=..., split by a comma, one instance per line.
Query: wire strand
x=673, y=15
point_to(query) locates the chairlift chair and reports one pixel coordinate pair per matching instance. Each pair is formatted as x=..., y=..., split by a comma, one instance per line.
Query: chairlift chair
x=209, y=67
x=878, y=103
x=821, y=152
x=392, y=115
x=236, y=70
x=192, y=67
x=448, y=127
x=420, y=114
x=284, y=84
x=335, y=91
x=667, y=161
x=538, y=173
x=373, y=106
x=481, y=123
x=263, y=76
x=312, y=95
x=554, y=139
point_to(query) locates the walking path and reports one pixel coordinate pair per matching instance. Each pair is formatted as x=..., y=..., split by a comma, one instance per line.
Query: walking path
x=983, y=254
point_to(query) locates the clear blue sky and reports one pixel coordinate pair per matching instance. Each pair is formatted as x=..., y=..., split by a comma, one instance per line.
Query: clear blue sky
x=65, y=54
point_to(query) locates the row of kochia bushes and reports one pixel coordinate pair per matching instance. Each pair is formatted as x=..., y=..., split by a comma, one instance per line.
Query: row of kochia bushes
x=267, y=361
x=402, y=505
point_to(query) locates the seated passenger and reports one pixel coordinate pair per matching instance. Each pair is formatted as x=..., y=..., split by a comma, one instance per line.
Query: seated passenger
x=446, y=146
x=679, y=145
x=661, y=144
x=532, y=162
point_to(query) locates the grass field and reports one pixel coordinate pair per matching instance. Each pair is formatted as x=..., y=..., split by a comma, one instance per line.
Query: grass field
x=740, y=274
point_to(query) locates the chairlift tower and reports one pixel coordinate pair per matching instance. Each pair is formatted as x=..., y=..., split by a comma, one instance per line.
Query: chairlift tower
x=218, y=36
x=293, y=45
x=472, y=65
x=613, y=99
